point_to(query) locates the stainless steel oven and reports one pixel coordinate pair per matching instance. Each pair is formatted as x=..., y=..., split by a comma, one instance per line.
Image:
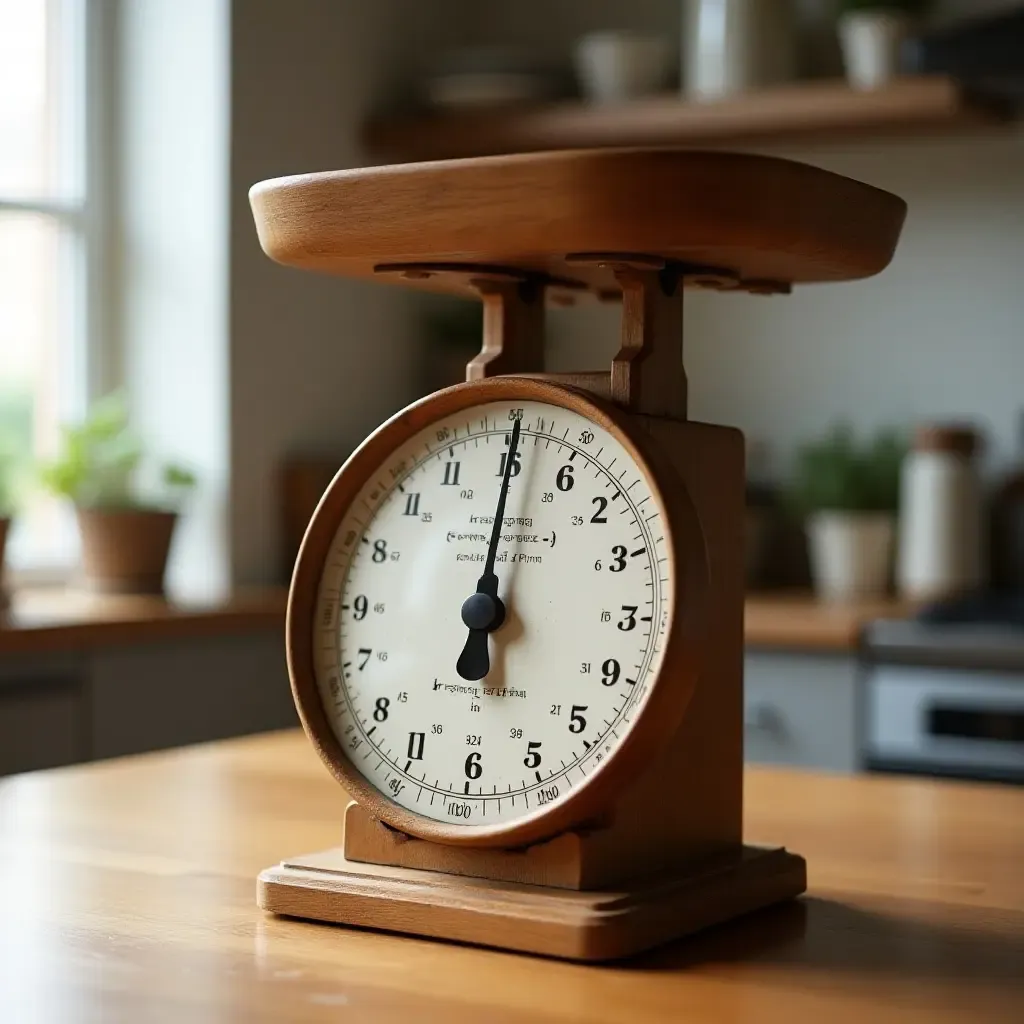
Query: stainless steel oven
x=945, y=700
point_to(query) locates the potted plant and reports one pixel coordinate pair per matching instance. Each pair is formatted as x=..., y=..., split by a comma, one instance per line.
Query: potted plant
x=849, y=493
x=125, y=537
x=871, y=33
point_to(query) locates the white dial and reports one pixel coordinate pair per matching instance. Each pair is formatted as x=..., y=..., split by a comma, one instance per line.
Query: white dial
x=582, y=571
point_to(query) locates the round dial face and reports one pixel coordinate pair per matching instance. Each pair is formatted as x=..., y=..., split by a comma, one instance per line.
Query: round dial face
x=479, y=676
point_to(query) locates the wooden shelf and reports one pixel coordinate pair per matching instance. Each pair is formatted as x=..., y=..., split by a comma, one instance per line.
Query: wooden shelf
x=809, y=110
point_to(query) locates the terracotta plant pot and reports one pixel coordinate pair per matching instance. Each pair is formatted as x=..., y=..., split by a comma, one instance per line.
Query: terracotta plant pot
x=4, y=525
x=124, y=551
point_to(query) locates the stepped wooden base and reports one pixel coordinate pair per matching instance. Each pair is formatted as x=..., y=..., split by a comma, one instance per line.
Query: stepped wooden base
x=588, y=925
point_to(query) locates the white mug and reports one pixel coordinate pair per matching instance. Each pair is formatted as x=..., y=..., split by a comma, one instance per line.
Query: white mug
x=617, y=66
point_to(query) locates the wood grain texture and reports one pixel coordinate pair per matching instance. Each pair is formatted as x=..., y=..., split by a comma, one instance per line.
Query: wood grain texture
x=128, y=895
x=760, y=218
x=647, y=374
x=801, y=622
x=591, y=925
x=47, y=620
x=558, y=862
x=816, y=110
x=596, y=382
x=513, y=330
x=705, y=761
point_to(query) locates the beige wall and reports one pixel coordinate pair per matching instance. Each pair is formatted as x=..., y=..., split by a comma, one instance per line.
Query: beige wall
x=939, y=334
x=170, y=229
x=316, y=363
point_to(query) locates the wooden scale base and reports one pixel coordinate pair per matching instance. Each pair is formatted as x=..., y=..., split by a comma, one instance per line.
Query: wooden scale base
x=598, y=924
x=664, y=855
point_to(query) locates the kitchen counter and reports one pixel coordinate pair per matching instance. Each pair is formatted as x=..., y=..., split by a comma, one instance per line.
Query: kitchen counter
x=799, y=621
x=128, y=887
x=58, y=619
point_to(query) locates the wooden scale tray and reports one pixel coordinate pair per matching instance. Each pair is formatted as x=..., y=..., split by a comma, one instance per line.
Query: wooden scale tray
x=646, y=845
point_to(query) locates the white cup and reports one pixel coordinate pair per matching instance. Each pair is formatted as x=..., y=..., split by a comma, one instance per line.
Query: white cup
x=871, y=42
x=617, y=66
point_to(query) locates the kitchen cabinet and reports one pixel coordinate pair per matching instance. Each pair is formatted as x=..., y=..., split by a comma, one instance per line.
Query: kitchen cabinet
x=42, y=723
x=168, y=694
x=128, y=698
x=802, y=709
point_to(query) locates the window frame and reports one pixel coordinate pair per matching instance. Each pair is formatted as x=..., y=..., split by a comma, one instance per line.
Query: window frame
x=90, y=362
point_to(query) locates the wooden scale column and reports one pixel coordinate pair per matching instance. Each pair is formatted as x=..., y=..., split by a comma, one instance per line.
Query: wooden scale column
x=534, y=763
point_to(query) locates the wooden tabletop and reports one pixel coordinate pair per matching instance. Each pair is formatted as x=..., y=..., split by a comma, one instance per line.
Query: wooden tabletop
x=127, y=894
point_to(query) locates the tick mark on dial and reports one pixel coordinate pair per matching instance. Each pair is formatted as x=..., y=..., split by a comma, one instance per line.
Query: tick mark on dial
x=466, y=790
x=539, y=779
x=633, y=554
x=408, y=764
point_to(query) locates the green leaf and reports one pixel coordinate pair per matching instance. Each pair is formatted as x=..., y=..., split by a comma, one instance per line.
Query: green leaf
x=178, y=477
x=838, y=474
x=100, y=458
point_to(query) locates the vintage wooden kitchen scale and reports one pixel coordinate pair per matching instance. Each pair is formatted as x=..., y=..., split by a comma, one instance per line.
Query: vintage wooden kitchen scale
x=515, y=627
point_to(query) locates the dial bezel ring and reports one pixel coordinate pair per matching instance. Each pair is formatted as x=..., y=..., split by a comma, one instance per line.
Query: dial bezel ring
x=662, y=711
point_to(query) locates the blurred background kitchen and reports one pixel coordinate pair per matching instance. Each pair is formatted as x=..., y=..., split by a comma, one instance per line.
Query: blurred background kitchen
x=163, y=386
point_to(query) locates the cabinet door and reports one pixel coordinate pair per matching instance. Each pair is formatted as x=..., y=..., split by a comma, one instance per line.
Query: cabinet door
x=168, y=694
x=43, y=723
x=801, y=710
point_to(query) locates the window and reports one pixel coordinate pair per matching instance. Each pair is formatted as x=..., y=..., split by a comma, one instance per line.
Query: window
x=47, y=248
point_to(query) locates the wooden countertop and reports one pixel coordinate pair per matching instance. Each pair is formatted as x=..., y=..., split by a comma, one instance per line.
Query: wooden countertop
x=127, y=892
x=55, y=619
x=798, y=621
